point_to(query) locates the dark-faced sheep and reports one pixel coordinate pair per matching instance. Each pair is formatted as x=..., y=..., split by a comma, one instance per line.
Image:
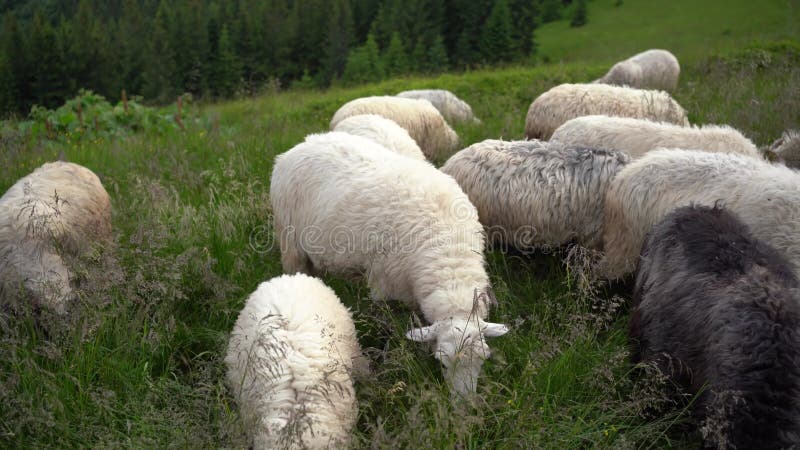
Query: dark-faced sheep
x=718, y=311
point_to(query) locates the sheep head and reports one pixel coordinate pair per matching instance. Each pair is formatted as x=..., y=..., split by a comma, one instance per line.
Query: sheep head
x=460, y=345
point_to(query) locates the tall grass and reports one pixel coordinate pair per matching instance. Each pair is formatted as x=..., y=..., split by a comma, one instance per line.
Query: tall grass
x=139, y=362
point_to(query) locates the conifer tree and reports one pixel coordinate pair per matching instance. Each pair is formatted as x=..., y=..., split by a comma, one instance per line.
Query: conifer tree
x=48, y=84
x=132, y=46
x=579, y=14
x=437, y=60
x=85, y=61
x=551, y=10
x=338, y=38
x=226, y=70
x=395, y=60
x=7, y=98
x=467, y=18
x=364, y=63
x=496, y=44
x=160, y=69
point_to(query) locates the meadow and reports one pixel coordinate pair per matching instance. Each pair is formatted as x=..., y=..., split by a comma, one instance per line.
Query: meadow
x=139, y=363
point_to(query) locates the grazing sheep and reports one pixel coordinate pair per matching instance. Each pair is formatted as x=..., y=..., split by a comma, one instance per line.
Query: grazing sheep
x=290, y=359
x=652, y=69
x=568, y=101
x=787, y=148
x=383, y=131
x=346, y=205
x=60, y=209
x=533, y=194
x=718, y=311
x=452, y=108
x=766, y=197
x=637, y=137
x=422, y=121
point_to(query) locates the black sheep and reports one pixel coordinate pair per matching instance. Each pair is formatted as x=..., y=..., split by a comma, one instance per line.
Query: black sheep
x=717, y=310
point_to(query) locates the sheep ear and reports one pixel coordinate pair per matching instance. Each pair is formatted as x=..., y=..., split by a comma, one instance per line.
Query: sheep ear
x=424, y=334
x=494, y=329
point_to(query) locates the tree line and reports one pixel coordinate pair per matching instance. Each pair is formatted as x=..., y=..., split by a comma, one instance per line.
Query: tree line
x=216, y=48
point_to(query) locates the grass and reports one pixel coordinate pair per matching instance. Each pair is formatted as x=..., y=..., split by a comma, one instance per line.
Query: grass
x=140, y=364
x=689, y=29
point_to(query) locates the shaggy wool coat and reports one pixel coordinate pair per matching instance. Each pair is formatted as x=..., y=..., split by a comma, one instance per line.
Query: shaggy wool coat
x=290, y=364
x=718, y=311
x=532, y=194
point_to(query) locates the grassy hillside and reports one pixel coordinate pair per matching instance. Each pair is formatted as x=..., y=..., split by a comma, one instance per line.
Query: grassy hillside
x=141, y=366
x=690, y=29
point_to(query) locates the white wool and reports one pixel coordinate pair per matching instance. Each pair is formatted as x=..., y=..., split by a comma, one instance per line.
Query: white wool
x=290, y=361
x=452, y=108
x=637, y=136
x=423, y=122
x=345, y=205
x=383, y=131
x=651, y=69
x=533, y=194
x=58, y=208
x=765, y=196
x=568, y=101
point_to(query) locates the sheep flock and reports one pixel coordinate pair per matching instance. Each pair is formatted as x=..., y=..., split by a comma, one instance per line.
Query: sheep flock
x=704, y=225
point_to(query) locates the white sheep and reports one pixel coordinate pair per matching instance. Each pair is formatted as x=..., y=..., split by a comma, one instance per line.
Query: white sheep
x=383, y=131
x=637, y=137
x=290, y=360
x=423, y=122
x=60, y=209
x=651, y=69
x=532, y=194
x=452, y=108
x=346, y=205
x=765, y=196
x=568, y=101
x=787, y=148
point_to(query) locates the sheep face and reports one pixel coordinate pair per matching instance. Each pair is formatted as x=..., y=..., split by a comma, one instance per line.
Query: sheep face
x=460, y=345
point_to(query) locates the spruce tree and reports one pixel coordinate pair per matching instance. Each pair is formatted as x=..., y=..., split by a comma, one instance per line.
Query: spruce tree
x=226, y=71
x=160, y=71
x=524, y=21
x=496, y=44
x=419, y=56
x=395, y=60
x=85, y=61
x=16, y=57
x=551, y=10
x=437, y=56
x=364, y=63
x=132, y=46
x=465, y=21
x=48, y=85
x=579, y=14
x=338, y=38
x=7, y=97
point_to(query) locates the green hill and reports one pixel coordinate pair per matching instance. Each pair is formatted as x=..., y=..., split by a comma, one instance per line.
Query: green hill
x=690, y=29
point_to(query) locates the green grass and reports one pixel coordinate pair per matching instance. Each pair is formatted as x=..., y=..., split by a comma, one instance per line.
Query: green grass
x=140, y=364
x=690, y=29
